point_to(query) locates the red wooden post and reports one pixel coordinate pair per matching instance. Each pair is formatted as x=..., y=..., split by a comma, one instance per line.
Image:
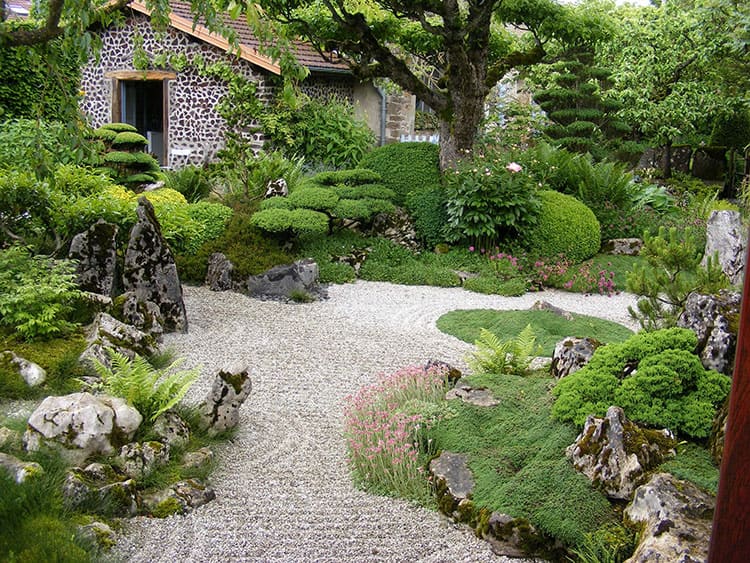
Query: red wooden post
x=730, y=537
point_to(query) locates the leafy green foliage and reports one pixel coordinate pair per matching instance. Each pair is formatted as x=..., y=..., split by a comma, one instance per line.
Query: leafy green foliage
x=290, y=222
x=492, y=285
x=387, y=261
x=428, y=211
x=565, y=226
x=672, y=271
x=516, y=456
x=129, y=140
x=191, y=181
x=38, y=294
x=406, y=168
x=548, y=327
x=489, y=201
x=493, y=355
x=24, y=208
x=654, y=376
x=149, y=390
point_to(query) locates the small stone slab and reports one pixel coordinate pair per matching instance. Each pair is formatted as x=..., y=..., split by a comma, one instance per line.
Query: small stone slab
x=544, y=306
x=477, y=396
x=452, y=470
x=623, y=246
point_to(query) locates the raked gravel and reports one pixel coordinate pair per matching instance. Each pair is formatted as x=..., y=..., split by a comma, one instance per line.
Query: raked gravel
x=283, y=491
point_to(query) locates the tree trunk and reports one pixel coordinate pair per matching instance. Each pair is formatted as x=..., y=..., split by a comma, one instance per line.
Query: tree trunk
x=459, y=131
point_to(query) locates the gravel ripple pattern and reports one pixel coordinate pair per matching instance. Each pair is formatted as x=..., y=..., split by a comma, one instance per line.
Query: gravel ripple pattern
x=282, y=484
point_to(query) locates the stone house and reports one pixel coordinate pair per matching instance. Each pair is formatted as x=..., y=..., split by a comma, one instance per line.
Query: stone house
x=173, y=105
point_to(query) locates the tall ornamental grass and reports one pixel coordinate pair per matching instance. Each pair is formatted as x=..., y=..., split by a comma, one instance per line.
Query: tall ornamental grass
x=385, y=429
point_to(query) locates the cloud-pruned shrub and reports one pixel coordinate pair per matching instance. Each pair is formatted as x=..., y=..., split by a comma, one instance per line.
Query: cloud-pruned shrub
x=654, y=376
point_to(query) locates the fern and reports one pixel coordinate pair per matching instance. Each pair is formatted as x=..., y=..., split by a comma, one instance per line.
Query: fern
x=151, y=391
x=493, y=355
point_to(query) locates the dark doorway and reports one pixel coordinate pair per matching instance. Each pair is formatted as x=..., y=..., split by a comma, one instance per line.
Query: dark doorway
x=142, y=105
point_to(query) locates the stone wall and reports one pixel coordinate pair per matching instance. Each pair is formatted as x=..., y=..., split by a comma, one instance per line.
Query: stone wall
x=399, y=116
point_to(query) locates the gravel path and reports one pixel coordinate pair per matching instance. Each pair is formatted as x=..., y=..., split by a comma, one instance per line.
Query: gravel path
x=282, y=485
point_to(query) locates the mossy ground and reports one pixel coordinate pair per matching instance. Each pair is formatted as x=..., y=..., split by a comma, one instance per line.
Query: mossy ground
x=549, y=328
x=516, y=453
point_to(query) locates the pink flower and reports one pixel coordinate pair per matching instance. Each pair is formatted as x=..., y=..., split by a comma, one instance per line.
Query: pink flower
x=471, y=249
x=513, y=167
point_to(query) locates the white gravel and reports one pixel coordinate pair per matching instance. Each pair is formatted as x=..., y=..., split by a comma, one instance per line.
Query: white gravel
x=283, y=488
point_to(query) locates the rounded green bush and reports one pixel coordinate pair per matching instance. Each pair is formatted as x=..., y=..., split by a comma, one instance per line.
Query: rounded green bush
x=405, y=167
x=564, y=226
x=299, y=221
x=104, y=134
x=319, y=199
x=121, y=157
x=352, y=177
x=308, y=222
x=119, y=127
x=272, y=220
x=373, y=191
x=357, y=209
x=276, y=203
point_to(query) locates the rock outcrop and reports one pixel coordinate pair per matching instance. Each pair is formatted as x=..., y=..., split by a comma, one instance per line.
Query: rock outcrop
x=82, y=425
x=615, y=454
x=108, y=334
x=676, y=517
x=623, y=246
x=141, y=459
x=99, y=486
x=150, y=270
x=95, y=252
x=571, y=354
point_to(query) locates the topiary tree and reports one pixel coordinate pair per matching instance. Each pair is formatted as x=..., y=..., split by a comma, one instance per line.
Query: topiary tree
x=123, y=157
x=564, y=226
x=655, y=377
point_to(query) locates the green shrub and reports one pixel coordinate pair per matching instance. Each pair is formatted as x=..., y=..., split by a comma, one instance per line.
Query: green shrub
x=350, y=177
x=489, y=201
x=405, y=167
x=428, y=211
x=191, y=181
x=370, y=191
x=79, y=181
x=336, y=272
x=672, y=271
x=319, y=199
x=105, y=134
x=492, y=285
x=654, y=376
x=245, y=177
x=25, y=208
x=119, y=127
x=212, y=219
x=276, y=203
x=150, y=391
x=129, y=139
x=288, y=222
x=565, y=226
x=38, y=294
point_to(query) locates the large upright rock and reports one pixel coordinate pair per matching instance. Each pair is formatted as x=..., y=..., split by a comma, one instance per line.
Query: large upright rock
x=219, y=273
x=715, y=320
x=571, y=354
x=615, y=454
x=676, y=517
x=82, y=425
x=220, y=411
x=150, y=270
x=107, y=333
x=95, y=250
x=726, y=236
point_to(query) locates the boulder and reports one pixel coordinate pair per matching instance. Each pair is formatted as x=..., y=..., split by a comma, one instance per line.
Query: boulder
x=95, y=251
x=726, y=236
x=477, y=396
x=615, y=454
x=452, y=374
x=397, y=227
x=715, y=320
x=170, y=429
x=143, y=315
x=139, y=460
x=571, y=354
x=219, y=273
x=107, y=333
x=33, y=374
x=180, y=498
x=82, y=425
x=544, y=306
x=101, y=488
x=197, y=459
x=283, y=281
x=676, y=517
x=623, y=246
x=19, y=470
x=150, y=270
x=220, y=411
x=9, y=438
x=516, y=537
x=96, y=534
x=277, y=188
x=454, y=483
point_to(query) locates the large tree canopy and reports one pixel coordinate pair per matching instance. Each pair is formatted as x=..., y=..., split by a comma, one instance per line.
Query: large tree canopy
x=449, y=53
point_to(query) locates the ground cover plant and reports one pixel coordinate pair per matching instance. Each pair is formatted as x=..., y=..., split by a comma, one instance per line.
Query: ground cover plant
x=548, y=327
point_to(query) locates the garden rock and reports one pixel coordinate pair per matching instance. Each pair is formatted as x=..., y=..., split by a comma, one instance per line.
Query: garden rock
x=355, y=259
x=170, y=429
x=220, y=411
x=623, y=246
x=82, y=425
x=33, y=374
x=199, y=458
x=180, y=498
x=726, y=236
x=544, y=306
x=514, y=537
x=454, y=483
x=8, y=437
x=540, y=363
x=19, y=470
x=96, y=534
x=477, y=396
x=714, y=319
x=143, y=315
x=140, y=460
x=677, y=518
x=571, y=354
x=277, y=188
x=219, y=274
x=283, y=281
x=615, y=454
x=150, y=270
x=95, y=250
x=396, y=227
x=107, y=333
x=100, y=487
